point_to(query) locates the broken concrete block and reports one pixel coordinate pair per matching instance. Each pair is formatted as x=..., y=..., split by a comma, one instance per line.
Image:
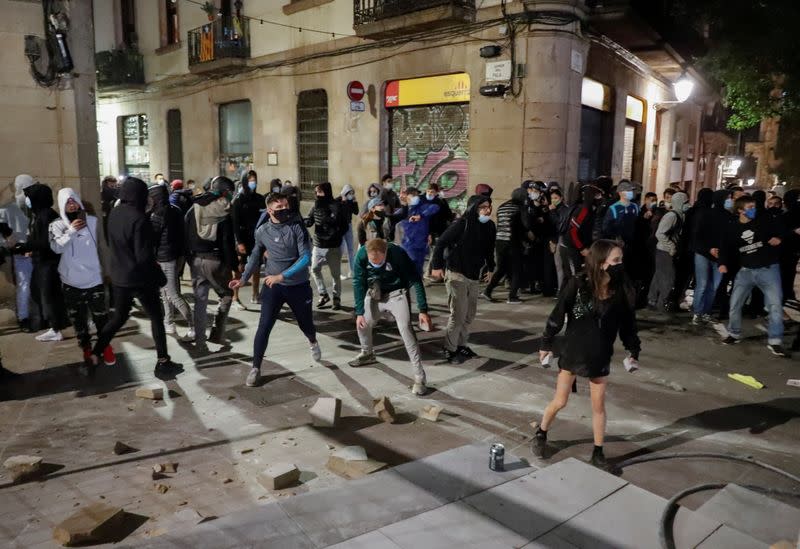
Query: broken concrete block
x=279, y=476
x=162, y=488
x=23, y=466
x=383, y=409
x=325, y=412
x=151, y=392
x=431, y=412
x=121, y=448
x=351, y=462
x=188, y=516
x=170, y=467
x=91, y=524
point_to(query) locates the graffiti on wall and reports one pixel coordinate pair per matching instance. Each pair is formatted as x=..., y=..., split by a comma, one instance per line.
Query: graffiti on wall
x=430, y=144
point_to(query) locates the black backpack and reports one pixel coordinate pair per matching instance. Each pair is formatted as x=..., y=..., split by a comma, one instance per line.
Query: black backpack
x=565, y=218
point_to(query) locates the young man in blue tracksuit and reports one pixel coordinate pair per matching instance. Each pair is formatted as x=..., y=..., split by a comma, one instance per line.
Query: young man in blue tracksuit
x=416, y=226
x=620, y=220
x=287, y=243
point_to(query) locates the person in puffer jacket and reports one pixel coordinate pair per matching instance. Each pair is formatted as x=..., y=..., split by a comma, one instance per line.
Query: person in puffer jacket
x=167, y=223
x=416, y=227
x=330, y=222
x=74, y=236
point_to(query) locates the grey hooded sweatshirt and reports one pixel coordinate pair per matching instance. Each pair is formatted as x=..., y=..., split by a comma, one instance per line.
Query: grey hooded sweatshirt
x=670, y=226
x=288, y=247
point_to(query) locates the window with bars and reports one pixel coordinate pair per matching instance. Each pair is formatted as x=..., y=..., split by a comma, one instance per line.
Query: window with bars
x=312, y=140
x=136, y=146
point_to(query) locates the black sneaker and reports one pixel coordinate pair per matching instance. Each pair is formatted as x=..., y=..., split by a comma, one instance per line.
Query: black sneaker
x=599, y=461
x=487, y=296
x=730, y=340
x=323, y=300
x=167, y=370
x=513, y=300
x=453, y=357
x=466, y=352
x=337, y=304
x=539, y=447
x=778, y=350
x=25, y=326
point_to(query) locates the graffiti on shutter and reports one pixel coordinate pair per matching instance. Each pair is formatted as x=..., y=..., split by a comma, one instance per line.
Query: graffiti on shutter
x=430, y=144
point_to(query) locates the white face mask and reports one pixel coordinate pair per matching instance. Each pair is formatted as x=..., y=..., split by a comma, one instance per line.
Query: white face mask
x=388, y=185
x=533, y=196
x=430, y=196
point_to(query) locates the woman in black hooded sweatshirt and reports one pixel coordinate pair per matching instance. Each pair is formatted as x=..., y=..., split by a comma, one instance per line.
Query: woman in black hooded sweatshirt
x=135, y=273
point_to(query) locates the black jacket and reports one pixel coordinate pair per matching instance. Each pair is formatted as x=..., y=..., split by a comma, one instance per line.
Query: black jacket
x=694, y=220
x=130, y=238
x=710, y=226
x=469, y=244
x=245, y=211
x=329, y=219
x=167, y=223
x=512, y=220
x=223, y=248
x=42, y=214
x=441, y=219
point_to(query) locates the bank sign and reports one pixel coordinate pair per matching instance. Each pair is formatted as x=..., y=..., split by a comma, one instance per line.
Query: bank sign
x=432, y=90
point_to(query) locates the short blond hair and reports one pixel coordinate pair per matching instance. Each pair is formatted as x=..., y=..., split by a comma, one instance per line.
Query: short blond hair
x=376, y=245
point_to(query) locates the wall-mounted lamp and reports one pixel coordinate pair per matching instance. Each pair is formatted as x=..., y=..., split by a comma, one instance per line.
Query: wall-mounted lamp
x=683, y=89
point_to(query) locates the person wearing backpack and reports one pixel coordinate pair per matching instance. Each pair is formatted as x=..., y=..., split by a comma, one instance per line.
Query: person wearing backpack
x=576, y=225
x=667, y=238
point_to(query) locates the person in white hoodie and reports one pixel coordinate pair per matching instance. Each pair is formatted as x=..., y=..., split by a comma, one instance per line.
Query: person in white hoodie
x=16, y=215
x=74, y=236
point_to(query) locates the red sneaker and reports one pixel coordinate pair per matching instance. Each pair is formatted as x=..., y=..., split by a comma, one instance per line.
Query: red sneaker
x=108, y=356
x=87, y=353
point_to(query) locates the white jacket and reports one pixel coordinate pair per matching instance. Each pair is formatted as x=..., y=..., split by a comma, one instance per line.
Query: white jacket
x=79, y=266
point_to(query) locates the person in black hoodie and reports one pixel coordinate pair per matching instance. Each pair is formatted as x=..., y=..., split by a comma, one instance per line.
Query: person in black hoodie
x=246, y=210
x=790, y=250
x=469, y=245
x=291, y=193
x=47, y=281
x=330, y=222
x=109, y=191
x=511, y=233
x=135, y=273
x=211, y=252
x=167, y=223
x=706, y=275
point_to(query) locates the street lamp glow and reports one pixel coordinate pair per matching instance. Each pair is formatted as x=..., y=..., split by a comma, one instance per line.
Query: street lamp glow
x=683, y=89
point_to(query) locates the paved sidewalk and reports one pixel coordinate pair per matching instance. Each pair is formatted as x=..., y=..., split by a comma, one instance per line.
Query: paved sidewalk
x=222, y=434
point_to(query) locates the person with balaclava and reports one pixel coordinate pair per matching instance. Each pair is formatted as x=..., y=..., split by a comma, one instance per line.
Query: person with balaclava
x=166, y=221
x=15, y=215
x=330, y=222
x=211, y=254
x=347, y=199
x=511, y=235
x=246, y=209
x=39, y=199
x=109, y=194
x=291, y=195
x=667, y=236
x=465, y=249
x=135, y=274
x=75, y=237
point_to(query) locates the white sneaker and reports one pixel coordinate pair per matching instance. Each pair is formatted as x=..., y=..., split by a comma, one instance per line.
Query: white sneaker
x=344, y=277
x=170, y=328
x=316, y=352
x=252, y=377
x=50, y=335
x=92, y=327
x=419, y=387
x=238, y=305
x=190, y=335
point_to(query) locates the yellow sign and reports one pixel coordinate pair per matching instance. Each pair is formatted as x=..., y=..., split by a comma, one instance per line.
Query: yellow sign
x=450, y=88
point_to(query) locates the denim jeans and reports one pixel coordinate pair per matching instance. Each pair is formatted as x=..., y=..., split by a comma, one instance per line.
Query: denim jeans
x=349, y=248
x=23, y=271
x=768, y=280
x=705, y=272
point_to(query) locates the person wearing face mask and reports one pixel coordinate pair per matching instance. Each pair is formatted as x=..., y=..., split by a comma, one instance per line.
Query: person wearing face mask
x=159, y=179
x=416, y=227
x=74, y=236
x=287, y=244
x=373, y=191
x=212, y=258
x=598, y=305
x=245, y=212
x=620, y=218
x=134, y=273
x=713, y=230
x=667, y=237
x=275, y=186
x=330, y=222
x=347, y=199
x=541, y=272
x=383, y=277
x=15, y=215
x=754, y=242
x=441, y=219
x=557, y=210
x=392, y=201
x=109, y=190
x=292, y=196
x=373, y=223
x=180, y=196
x=468, y=245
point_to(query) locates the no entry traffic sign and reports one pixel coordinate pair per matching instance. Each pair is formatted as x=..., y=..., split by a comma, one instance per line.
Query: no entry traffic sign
x=355, y=90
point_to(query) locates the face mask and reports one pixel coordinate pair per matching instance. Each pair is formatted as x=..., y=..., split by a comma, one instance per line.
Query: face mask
x=616, y=272
x=377, y=265
x=350, y=196
x=484, y=218
x=728, y=203
x=628, y=195
x=388, y=186
x=652, y=205
x=252, y=185
x=430, y=196
x=533, y=196
x=750, y=214
x=379, y=214
x=414, y=200
x=373, y=194
x=72, y=216
x=685, y=208
x=775, y=209
x=282, y=215
x=668, y=205
x=28, y=202
x=556, y=201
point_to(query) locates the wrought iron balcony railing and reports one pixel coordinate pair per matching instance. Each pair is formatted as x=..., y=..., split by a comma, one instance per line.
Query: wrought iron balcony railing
x=371, y=11
x=223, y=38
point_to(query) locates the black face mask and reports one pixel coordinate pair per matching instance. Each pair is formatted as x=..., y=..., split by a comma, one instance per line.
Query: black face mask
x=282, y=215
x=72, y=216
x=379, y=214
x=616, y=273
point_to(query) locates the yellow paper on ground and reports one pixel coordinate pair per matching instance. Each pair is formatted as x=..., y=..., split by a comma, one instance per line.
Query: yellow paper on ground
x=750, y=381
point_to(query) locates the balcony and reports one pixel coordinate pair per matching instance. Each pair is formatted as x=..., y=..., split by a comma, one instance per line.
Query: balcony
x=119, y=70
x=222, y=46
x=388, y=18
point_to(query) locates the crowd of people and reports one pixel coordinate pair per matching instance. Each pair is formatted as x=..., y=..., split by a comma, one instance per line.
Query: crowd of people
x=603, y=254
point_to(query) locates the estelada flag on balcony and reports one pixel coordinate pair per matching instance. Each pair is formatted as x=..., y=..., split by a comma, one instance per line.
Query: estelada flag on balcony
x=448, y=88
